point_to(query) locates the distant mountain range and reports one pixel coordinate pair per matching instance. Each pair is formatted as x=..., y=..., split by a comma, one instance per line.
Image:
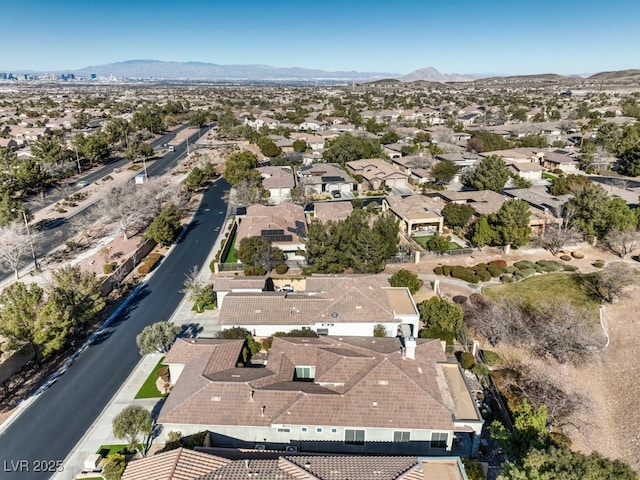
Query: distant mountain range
x=201, y=71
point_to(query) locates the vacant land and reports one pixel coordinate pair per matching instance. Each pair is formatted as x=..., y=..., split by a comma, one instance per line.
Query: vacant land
x=547, y=288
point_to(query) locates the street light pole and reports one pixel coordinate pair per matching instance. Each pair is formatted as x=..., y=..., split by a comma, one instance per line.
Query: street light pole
x=33, y=251
x=77, y=160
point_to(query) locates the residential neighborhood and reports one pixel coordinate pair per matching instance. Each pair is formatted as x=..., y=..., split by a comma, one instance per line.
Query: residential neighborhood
x=391, y=280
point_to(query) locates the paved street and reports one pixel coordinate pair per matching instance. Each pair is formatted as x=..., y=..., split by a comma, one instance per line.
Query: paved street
x=56, y=420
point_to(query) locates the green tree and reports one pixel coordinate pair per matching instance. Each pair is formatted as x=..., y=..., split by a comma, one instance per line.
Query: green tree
x=22, y=322
x=94, y=148
x=405, y=278
x=130, y=424
x=48, y=150
x=510, y=223
x=157, y=337
x=240, y=167
x=300, y=146
x=198, y=119
x=76, y=294
x=323, y=249
x=483, y=141
x=387, y=227
x=366, y=249
x=268, y=147
x=483, y=234
x=443, y=172
x=250, y=347
x=438, y=243
x=114, y=466
x=30, y=177
x=490, y=174
x=166, y=226
x=457, y=214
x=630, y=162
x=442, y=319
x=529, y=430
x=347, y=148
x=594, y=212
x=571, y=183
x=195, y=180
x=11, y=209
x=258, y=251
x=379, y=331
x=149, y=119
x=389, y=137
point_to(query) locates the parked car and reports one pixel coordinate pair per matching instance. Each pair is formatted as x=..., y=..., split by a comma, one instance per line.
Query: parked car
x=336, y=194
x=285, y=288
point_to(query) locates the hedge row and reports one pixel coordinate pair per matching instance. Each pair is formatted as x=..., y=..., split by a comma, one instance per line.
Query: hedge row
x=499, y=269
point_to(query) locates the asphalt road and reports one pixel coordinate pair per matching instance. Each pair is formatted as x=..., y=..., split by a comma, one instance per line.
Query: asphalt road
x=53, y=424
x=50, y=239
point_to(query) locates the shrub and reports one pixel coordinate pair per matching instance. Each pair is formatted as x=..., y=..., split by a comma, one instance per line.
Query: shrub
x=254, y=270
x=281, y=268
x=484, y=275
x=109, y=268
x=524, y=273
x=447, y=270
x=598, y=264
x=510, y=269
x=464, y=273
x=522, y=264
x=569, y=268
x=149, y=262
x=459, y=299
x=467, y=360
x=577, y=255
x=266, y=343
x=549, y=265
x=196, y=440
x=566, y=258
x=480, y=370
x=438, y=270
x=495, y=270
x=500, y=263
x=491, y=358
x=506, y=278
x=479, y=266
x=212, y=264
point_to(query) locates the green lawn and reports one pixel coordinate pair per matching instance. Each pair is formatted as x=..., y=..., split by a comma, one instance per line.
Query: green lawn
x=106, y=450
x=148, y=389
x=549, y=176
x=547, y=287
x=231, y=258
x=422, y=241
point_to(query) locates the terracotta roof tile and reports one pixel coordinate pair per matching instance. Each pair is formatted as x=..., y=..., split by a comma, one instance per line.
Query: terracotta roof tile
x=179, y=464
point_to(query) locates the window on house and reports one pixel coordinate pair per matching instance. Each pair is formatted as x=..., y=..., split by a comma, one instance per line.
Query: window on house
x=334, y=430
x=401, y=436
x=304, y=429
x=304, y=374
x=284, y=430
x=354, y=437
x=439, y=440
x=318, y=429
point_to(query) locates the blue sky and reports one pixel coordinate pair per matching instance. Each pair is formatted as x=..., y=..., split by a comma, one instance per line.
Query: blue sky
x=464, y=36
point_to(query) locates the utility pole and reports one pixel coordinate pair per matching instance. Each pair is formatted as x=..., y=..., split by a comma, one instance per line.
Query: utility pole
x=77, y=159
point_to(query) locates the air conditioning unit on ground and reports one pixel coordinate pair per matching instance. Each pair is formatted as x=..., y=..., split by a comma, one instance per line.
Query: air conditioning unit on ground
x=261, y=446
x=291, y=448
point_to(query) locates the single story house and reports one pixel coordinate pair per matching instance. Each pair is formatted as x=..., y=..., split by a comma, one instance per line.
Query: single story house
x=417, y=214
x=278, y=181
x=377, y=173
x=349, y=395
x=325, y=178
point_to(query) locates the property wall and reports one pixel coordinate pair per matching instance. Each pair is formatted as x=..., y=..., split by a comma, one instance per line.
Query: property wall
x=377, y=440
x=123, y=270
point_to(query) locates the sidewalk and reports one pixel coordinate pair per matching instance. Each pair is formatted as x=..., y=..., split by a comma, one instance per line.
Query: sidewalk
x=101, y=432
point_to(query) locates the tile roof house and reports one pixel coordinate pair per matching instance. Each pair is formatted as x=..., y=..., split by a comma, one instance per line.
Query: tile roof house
x=325, y=178
x=223, y=285
x=377, y=173
x=284, y=225
x=329, y=394
x=331, y=211
x=416, y=213
x=330, y=305
x=225, y=464
x=278, y=181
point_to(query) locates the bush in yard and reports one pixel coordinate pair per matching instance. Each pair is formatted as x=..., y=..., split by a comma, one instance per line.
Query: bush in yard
x=566, y=258
x=598, y=264
x=467, y=360
x=480, y=370
x=569, y=268
x=149, y=262
x=113, y=466
x=405, y=278
x=491, y=358
x=484, y=275
x=506, y=278
x=163, y=373
x=522, y=264
x=446, y=270
x=438, y=270
x=500, y=263
x=495, y=270
x=459, y=299
x=464, y=273
x=510, y=269
x=549, y=265
x=282, y=268
x=479, y=266
x=109, y=268
x=524, y=273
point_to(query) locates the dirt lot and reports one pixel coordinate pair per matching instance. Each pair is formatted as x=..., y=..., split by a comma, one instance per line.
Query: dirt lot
x=610, y=385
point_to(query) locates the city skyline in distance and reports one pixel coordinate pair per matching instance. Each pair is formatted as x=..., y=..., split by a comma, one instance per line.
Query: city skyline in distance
x=478, y=38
